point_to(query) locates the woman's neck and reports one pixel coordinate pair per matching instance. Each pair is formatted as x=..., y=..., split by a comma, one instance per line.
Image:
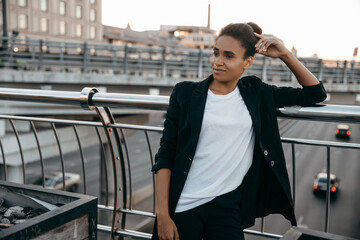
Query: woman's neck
x=222, y=88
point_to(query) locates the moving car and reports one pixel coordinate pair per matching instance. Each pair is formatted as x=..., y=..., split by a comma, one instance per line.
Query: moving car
x=343, y=131
x=54, y=180
x=320, y=183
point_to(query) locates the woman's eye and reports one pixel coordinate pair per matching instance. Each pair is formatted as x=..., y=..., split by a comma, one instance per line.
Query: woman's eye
x=229, y=56
x=216, y=54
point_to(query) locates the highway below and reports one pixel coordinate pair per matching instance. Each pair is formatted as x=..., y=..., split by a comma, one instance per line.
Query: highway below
x=345, y=163
x=310, y=160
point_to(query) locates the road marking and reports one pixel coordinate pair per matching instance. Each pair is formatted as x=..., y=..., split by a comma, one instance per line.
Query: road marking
x=301, y=218
x=300, y=221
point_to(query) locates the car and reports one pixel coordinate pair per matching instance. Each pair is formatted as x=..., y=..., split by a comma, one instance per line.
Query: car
x=54, y=180
x=320, y=186
x=343, y=131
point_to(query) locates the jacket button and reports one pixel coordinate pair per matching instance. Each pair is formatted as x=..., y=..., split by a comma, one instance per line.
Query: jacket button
x=266, y=153
x=185, y=172
x=190, y=159
x=272, y=163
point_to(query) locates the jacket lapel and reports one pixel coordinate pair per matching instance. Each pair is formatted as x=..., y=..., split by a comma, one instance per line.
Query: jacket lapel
x=252, y=103
x=197, y=108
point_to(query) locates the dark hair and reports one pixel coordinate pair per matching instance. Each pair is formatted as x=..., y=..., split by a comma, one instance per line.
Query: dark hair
x=244, y=33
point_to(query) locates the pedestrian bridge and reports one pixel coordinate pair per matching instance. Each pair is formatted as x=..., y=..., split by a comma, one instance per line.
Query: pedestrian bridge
x=124, y=209
x=53, y=62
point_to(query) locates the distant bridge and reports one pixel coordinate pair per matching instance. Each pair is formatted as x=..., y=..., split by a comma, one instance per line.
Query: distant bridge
x=147, y=66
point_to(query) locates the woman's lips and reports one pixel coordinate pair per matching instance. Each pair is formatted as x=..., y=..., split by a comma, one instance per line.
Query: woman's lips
x=218, y=70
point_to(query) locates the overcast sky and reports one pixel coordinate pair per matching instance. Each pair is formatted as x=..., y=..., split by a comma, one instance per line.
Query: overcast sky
x=329, y=28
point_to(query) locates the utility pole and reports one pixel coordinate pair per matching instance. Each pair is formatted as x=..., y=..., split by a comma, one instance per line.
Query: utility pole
x=208, y=25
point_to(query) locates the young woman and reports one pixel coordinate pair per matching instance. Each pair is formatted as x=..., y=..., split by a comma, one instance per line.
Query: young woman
x=220, y=163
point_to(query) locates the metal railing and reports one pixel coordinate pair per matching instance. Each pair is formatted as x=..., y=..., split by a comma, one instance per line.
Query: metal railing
x=65, y=56
x=117, y=176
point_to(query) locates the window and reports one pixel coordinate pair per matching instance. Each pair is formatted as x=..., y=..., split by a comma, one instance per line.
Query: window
x=78, y=12
x=92, y=15
x=62, y=28
x=92, y=1
x=44, y=5
x=44, y=25
x=92, y=32
x=62, y=8
x=22, y=21
x=22, y=3
x=78, y=30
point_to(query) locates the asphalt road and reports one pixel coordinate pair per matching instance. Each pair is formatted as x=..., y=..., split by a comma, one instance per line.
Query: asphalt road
x=309, y=209
x=310, y=160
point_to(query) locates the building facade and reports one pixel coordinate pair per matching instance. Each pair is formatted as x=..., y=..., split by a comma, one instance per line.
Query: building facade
x=70, y=20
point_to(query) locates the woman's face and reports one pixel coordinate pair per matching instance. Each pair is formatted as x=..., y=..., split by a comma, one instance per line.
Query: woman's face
x=228, y=61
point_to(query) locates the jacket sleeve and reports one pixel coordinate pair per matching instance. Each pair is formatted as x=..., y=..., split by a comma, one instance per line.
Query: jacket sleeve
x=164, y=158
x=305, y=96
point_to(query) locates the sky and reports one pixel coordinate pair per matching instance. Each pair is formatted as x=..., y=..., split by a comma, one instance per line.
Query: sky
x=328, y=28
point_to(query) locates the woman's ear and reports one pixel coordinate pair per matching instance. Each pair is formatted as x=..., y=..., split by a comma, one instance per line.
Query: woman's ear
x=248, y=62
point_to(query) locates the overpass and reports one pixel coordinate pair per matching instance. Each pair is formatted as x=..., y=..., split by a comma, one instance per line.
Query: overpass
x=146, y=66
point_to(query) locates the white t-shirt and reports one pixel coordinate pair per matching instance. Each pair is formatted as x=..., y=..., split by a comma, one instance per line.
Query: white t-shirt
x=224, y=152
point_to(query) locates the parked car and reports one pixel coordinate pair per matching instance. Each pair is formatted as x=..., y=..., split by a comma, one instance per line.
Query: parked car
x=320, y=183
x=54, y=180
x=343, y=131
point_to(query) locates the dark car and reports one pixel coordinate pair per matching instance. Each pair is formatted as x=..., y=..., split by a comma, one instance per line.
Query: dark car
x=320, y=183
x=343, y=131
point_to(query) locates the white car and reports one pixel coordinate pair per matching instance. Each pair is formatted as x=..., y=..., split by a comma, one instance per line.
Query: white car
x=54, y=180
x=320, y=183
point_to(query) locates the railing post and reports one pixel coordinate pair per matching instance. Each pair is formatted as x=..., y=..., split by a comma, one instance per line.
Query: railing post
x=41, y=55
x=140, y=63
x=264, y=70
x=117, y=157
x=200, y=64
x=126, y=53
x=321, y=69
x=85, y=57
x=293, y=172
x=114, y=59
x=338, y=72
x=352, y=74
x=163, y=63
x=345, y=72
x=61, y=49
x=327, y=213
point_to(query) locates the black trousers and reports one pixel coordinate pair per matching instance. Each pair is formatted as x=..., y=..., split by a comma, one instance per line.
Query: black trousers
x=216, y=220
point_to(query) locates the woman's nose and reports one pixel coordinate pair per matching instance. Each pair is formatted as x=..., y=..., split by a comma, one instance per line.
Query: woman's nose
x=218, y=61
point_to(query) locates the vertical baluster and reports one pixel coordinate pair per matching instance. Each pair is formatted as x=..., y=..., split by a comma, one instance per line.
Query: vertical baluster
x=82, y=157
x=60, y=153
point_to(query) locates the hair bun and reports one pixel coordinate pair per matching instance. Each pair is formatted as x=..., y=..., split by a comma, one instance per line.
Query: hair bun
x=255, y=27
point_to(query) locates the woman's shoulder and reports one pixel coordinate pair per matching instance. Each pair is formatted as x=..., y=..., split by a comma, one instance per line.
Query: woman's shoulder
x=251, y=81
x=188, y=86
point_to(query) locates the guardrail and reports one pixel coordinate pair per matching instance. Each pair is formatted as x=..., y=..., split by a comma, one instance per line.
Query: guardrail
x=46, y=55
x=117, y=177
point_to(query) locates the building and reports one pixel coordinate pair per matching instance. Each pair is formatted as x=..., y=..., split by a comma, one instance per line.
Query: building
x=167, y=36
x=70, y=20
x=126, y=35
x=191, y=36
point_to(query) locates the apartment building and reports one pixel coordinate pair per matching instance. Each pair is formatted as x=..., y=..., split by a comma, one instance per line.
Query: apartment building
x=70, y=20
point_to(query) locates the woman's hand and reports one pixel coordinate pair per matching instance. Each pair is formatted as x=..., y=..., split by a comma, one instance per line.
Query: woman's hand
x=271, y=47
x=166, y=228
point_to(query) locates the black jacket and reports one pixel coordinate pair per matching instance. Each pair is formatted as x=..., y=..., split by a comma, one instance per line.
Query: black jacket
x=266, y=186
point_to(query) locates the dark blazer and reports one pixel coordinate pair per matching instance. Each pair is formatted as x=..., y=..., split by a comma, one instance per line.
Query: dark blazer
x=266, y=186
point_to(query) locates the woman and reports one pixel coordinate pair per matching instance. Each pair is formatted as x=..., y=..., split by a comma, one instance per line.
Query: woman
x=220, y=163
